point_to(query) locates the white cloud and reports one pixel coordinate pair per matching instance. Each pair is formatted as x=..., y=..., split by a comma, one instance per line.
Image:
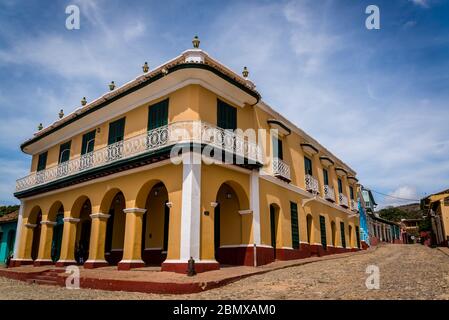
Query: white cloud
x=402, y=195
x=421, y=3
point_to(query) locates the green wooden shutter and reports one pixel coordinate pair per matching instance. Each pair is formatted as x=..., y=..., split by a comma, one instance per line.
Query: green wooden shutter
x=294, y=224
x=325, y=177
x=42, y=161
x=308, y=166
x=116, y=131
x=158, y=115
x=64, y=152
x=340, y=186
x=323, y=231
x=88, y=142
x=226, y=116
x=342, y=232
x=351, y=193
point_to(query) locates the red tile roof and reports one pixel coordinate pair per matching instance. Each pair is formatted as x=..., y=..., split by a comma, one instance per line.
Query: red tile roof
x=10, y=217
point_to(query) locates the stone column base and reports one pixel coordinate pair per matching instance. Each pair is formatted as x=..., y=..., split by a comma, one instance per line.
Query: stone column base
x=64, y=263
x=21, y=262
x=92, y=264
x=182, y=266
x=130, y=264
x=43, y=262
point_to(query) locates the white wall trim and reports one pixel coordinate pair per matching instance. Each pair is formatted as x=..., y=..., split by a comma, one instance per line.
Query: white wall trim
x=255, y=205
x=191, y=206
x=99, y=215
x=151, y=249
x=46, y=222
x=70, y=219
x=19, y=230
x=134, y=210
x=132, y=261
x=245, y=212
x=30, y=225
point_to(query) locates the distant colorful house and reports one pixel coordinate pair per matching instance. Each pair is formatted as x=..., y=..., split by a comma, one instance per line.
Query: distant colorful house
x=8, y=225
x=373, y=227
x=437, y=208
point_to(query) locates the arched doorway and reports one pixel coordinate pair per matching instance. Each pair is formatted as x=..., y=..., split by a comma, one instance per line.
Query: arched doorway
x=83, y=233
x=274, y=218
x=334, y=234
x=57, y=235
x=10, y=242
x=115, y=229
x=35, y=218
x=228, y=225
x=309, y=221
x=350, y=236
x=155, y=225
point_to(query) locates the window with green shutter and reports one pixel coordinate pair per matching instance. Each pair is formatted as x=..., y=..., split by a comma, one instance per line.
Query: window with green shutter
x=277, y=148
x=325, y=177
x=64, y=152
x=42, y=161
x=158, y=115
x=308, y=166
x=294, y=224
x=116, y=131
x=342, y=232
x=323, y=232
x=340, y=186
x=88, y=142
x=351, y=192
x=226, y=116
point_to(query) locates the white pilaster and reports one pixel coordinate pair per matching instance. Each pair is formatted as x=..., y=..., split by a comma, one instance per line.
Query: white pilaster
x=255, y=205
x=19, y=229
x=191, y=206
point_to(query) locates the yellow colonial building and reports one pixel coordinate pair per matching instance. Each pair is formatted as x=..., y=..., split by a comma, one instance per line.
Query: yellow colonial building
x=185, y=161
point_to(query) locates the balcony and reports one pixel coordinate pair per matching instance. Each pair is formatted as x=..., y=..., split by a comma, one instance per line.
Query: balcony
x=329, y=193
x=281, y=169
x=177, y=133
x=354, y=205
x=343, y=200
x=311, y=184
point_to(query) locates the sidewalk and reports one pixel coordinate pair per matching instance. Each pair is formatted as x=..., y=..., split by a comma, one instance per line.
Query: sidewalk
x=152, y=280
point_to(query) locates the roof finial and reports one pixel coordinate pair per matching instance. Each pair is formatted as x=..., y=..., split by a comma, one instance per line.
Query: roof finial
x=40, y=127
x=83, y=101
x=61, y=114
x=245, y=72
x=196, y=42
x=145, y=67
x=112, y=86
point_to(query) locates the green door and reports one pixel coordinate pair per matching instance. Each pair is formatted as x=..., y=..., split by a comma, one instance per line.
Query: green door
x=273, y=228
x=217, y=231
x=57, y=238
x=294, y=224
x=323, y=232
x=343, y=236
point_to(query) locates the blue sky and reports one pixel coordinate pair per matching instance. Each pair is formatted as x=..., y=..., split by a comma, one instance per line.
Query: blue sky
x=378, y=99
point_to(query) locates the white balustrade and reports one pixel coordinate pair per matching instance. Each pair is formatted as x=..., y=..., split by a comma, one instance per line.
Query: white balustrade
x=343, y=200
x=311, y=184
x=281, y=169
x=329, y=193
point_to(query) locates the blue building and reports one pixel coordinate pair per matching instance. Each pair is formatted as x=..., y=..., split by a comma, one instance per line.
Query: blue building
x=8, y=225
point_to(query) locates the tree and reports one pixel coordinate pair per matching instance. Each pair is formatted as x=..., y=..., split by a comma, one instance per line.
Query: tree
x=8, y=209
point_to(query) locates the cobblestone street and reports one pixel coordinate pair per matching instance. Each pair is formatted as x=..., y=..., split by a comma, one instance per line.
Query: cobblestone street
x=406, y=272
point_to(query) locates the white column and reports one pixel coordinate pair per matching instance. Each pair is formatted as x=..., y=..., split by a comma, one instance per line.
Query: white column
x=191, y=207
x=255, y=205
x=18, y=229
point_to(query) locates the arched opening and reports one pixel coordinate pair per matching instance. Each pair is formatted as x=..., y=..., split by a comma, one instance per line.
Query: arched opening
x=155, y=225
x=35, y=218
x=274, y=218
x=56, y=215
x=309, y=221
x=83, y=232
x=115, y=229
x=228, y=224
x=350, y=236
x=334, y=233
x=10, y=243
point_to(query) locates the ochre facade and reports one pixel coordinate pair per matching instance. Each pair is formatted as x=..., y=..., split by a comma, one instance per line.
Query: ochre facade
x=147, y=209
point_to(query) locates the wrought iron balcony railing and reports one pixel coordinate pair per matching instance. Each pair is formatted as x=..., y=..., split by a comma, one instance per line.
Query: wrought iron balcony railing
x=165, y=136
x=281, y=169
x=311, y=184
x=343, y=200
x=354, y=205
x=329, y=193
